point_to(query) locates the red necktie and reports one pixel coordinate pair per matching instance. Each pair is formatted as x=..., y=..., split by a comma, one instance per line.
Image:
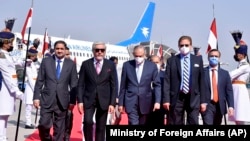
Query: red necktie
x=215, y=88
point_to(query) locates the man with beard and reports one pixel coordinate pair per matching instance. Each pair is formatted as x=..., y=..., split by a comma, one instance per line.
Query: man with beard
x=96, y=91
x=31, y=73
x=9, y=91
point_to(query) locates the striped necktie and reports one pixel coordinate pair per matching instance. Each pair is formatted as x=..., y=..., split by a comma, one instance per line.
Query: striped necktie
x=185, y=85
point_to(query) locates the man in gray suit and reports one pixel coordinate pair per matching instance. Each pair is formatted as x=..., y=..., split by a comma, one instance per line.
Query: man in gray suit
x=136, y=95
x=55, y=76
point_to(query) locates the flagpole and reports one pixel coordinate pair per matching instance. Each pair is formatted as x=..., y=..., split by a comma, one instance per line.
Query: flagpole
x=22, y=88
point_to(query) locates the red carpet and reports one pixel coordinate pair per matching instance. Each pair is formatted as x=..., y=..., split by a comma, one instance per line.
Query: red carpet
x=76, y=134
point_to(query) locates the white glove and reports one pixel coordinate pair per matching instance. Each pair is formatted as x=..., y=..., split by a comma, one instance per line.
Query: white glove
x=19, y=95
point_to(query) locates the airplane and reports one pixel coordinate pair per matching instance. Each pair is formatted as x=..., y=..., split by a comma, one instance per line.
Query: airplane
x=142, y=32
x=82, y=50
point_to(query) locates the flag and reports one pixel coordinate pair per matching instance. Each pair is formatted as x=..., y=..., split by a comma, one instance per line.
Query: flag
x=212, y=39
x=45, y=42
x=27, y=23
x=160, y=51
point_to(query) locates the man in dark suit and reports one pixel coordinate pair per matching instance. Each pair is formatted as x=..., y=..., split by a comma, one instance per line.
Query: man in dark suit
x=138, y=78
x=218, y=95
x=96, y=91
x=55, y=76
x=157, y=117
x=184, y=85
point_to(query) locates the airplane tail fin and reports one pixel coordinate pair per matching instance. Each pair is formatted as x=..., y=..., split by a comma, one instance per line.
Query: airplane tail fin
x=142, y=32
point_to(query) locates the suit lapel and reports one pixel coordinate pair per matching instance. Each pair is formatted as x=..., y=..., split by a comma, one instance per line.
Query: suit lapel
x=91, y=66
x=178, y=63
x=133, y=70
x=53, y=66
x=103, y=67
x=219, y=79
x=64, y=68
x=143, y=70
x=207, y=78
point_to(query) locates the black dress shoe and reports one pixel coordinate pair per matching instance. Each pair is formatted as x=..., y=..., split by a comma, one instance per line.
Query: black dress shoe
x=29, y=126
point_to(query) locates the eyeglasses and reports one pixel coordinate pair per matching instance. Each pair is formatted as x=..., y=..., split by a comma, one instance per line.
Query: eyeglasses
x=186, y=45
x=97, y=50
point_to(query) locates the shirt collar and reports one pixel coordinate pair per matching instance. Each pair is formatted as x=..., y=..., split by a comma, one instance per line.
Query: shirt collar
x=95, y=61
x=216, y=68
x=59, y=59
x=188, y=55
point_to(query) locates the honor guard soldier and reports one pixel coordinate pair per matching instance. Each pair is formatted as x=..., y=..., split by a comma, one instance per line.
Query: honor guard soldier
x=239, y=77
x=9, y=91
x=31, y=74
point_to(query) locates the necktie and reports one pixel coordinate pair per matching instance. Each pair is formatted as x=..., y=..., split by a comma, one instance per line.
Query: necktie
x=214, y=84
x=185, y=85
x=98, y=67
x=138, y=72
x=58, y=69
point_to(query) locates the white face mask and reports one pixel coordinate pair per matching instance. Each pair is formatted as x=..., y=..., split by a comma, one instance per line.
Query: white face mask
x=139, y=60
x=184, y=50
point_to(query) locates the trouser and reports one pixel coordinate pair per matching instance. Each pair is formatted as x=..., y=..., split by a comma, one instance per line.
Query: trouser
x=54, y=115
x=28, y=110
x=3, y=127
x=68, y=124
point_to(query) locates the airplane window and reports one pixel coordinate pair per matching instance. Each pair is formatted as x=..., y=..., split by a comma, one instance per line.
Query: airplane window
x=83, y=54
x=74, y=53
x=87, y=55
x=80, y=54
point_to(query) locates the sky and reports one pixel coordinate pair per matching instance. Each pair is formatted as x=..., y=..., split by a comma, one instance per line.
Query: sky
x=112, y=21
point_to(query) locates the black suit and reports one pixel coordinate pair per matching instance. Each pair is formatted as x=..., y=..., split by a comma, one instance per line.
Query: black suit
x=215, y=111
x=96, y=92
x=180, y=102
x=54, y=94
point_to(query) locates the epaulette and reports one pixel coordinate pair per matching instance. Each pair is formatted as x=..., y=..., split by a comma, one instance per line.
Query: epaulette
x=2, y=55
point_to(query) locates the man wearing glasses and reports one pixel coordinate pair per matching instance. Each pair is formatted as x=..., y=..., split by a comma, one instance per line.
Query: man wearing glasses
x=184, y=85
x=96, y=91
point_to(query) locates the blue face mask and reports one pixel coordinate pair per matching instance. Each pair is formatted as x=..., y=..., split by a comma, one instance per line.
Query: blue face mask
x=213, y=61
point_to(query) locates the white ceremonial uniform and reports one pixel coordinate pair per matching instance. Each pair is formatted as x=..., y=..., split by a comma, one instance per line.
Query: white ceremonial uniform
x=241, y=96
x=9, y=91
x=31, y=74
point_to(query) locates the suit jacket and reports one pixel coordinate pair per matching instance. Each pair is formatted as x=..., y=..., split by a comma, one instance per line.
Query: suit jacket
x=47, y=86
x=225, y=90
x=92, y=86
x=132, y=92
x=172, y=81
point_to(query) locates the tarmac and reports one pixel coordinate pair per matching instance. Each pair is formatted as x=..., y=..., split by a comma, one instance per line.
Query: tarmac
x=24, y=133
x=12, y=124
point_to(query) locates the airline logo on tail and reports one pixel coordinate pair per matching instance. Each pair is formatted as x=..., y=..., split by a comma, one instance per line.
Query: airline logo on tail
x=142, y=32
x=145, y=31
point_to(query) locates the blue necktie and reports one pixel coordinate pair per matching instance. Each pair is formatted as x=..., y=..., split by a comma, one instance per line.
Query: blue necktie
x=1, y=79
x=58, y=69
x=185, y=85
